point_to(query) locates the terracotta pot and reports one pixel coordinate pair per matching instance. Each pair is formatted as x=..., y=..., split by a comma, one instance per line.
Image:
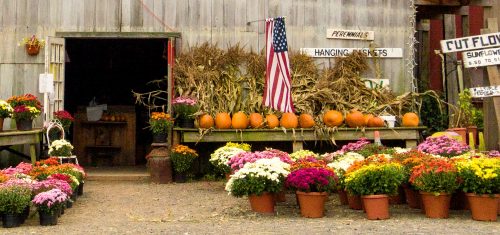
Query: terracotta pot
x=462, y=131
x=398, y=198
x=436, y=206
x=312, y=205
x=343, y=197
x=459, y=201
x=262, y=203
x=354, y=202
x=483, y=207
x=228, y=176
x=1, y=124
x=412, y=197
x=376, y=206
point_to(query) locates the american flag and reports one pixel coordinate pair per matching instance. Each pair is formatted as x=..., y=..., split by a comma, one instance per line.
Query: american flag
x=278, y=88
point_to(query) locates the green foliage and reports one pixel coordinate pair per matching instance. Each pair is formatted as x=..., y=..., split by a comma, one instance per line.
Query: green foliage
x=375, y=179
x=181, y=162
x=477, y=118
x=442, y=182
x=371, y=149
x=475, y=184
x=13, y=199
x=255, y=185
x=432, y=117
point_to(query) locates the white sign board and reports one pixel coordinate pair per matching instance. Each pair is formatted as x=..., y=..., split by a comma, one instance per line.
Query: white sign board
x=375, y=83
x=489, y=91
x=350, y=34
x=342, y=52
x=480, y=58
x=46, y=83
x=470, y=43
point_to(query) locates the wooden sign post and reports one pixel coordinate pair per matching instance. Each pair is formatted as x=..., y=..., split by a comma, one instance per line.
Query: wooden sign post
x=494, y=79
x=485, y=50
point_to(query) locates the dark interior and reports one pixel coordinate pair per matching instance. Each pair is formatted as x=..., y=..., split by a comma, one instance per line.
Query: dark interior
x=109, y=69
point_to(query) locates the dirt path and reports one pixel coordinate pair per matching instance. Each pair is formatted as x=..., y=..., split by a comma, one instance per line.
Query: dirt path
x=205, y=208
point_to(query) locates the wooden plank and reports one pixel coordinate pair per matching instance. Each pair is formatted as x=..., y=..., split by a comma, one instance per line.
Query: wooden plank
x=451, y=78
x=494, y=80
x=192, y=135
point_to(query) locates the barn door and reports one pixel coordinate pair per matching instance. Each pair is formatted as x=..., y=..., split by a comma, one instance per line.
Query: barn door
x=54, y=64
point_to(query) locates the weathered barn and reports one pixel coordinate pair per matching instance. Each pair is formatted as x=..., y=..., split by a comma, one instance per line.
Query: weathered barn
x=104, y=49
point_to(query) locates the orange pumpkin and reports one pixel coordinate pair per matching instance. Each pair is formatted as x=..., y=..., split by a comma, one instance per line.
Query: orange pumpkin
x=355, y=119
x=306, y=120
x=367, y=118
x=272, y=121
x=256, y=120
x=289, y=120
x=206, y=121
x=410, y=120
x=222, y=121
x=239, y=121
x=333, y=118
x=376, y=122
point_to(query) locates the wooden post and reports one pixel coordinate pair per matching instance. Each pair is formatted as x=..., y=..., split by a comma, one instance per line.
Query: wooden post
x=170, y=80
x=451, y=78
x=491, y=105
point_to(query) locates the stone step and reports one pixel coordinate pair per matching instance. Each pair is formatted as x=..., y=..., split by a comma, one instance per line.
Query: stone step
x=118, y=173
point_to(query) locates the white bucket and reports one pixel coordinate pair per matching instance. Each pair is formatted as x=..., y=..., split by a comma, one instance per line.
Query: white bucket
x=390, y=120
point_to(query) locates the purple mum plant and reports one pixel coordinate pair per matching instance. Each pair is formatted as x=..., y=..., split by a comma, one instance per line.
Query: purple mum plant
x=312, y=180
x=443, y=145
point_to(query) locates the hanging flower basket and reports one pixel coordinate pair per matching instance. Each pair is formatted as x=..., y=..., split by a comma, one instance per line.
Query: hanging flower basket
x=32, y=49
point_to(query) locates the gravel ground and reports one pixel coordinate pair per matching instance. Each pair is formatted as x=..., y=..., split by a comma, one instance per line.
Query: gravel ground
x=205, y=208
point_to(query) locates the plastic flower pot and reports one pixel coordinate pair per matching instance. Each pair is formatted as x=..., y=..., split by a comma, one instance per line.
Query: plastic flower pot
x=262, y=203
x=343, y=197
x=354, y=202
x=483, y=207
x=376, y=206
x=436, y=206
x=312, y=204
x=47, y=219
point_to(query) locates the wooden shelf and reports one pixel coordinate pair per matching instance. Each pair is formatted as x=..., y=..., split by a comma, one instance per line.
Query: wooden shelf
x=103, y=123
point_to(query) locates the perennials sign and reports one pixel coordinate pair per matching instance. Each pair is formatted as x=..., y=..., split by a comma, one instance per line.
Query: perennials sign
x=350, y=34
x=471, y=43
x=342, y=52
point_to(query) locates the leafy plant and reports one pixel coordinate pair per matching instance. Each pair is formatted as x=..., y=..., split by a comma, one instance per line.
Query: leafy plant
x=14, y=198
x=433, y=116
x=184, y=107
x=159, y=122
x=435, y=176
x=375, y=179
x=182, y=157
x=372, y=149
x=480, y=175
x=263, y=175
x=50, y=201
x=5, y=109
x=312, y=179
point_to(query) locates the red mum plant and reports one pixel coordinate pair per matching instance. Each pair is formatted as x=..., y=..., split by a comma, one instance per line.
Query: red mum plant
x=435, y=176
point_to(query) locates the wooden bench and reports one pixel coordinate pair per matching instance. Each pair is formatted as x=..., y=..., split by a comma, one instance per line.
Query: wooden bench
x=14, y=137
x=189, y=135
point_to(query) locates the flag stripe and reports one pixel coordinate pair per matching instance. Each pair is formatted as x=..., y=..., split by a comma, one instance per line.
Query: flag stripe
x=277, y=89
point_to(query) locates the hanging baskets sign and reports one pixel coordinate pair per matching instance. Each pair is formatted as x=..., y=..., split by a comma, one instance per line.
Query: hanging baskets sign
x=342, y=52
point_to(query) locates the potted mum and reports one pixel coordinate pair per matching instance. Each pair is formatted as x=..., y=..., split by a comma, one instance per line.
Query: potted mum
x=65, y=118
x=5, y=112
x=26, y=108
x=436, y=180
x=182, y=157
x=259, y=181
x=374, y=182
x=159, y=124
x=48, y=204
x=220, y=158
x=32, y=45
x=184, y=108
x=14, y=199
x=312, y=186
x=481, y=183
x=340, y=166
x=443, y=146
x=60, y=148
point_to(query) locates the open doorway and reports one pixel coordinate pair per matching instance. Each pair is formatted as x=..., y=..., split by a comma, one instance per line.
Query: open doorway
x=107, y=70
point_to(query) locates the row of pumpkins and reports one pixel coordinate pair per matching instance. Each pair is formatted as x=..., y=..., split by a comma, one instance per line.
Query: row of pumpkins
x=331, y=118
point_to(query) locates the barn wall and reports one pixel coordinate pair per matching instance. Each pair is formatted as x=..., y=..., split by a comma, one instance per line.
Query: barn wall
x=218, y=21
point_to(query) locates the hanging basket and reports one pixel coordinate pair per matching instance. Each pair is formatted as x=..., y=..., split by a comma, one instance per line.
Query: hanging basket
x=32, y=49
